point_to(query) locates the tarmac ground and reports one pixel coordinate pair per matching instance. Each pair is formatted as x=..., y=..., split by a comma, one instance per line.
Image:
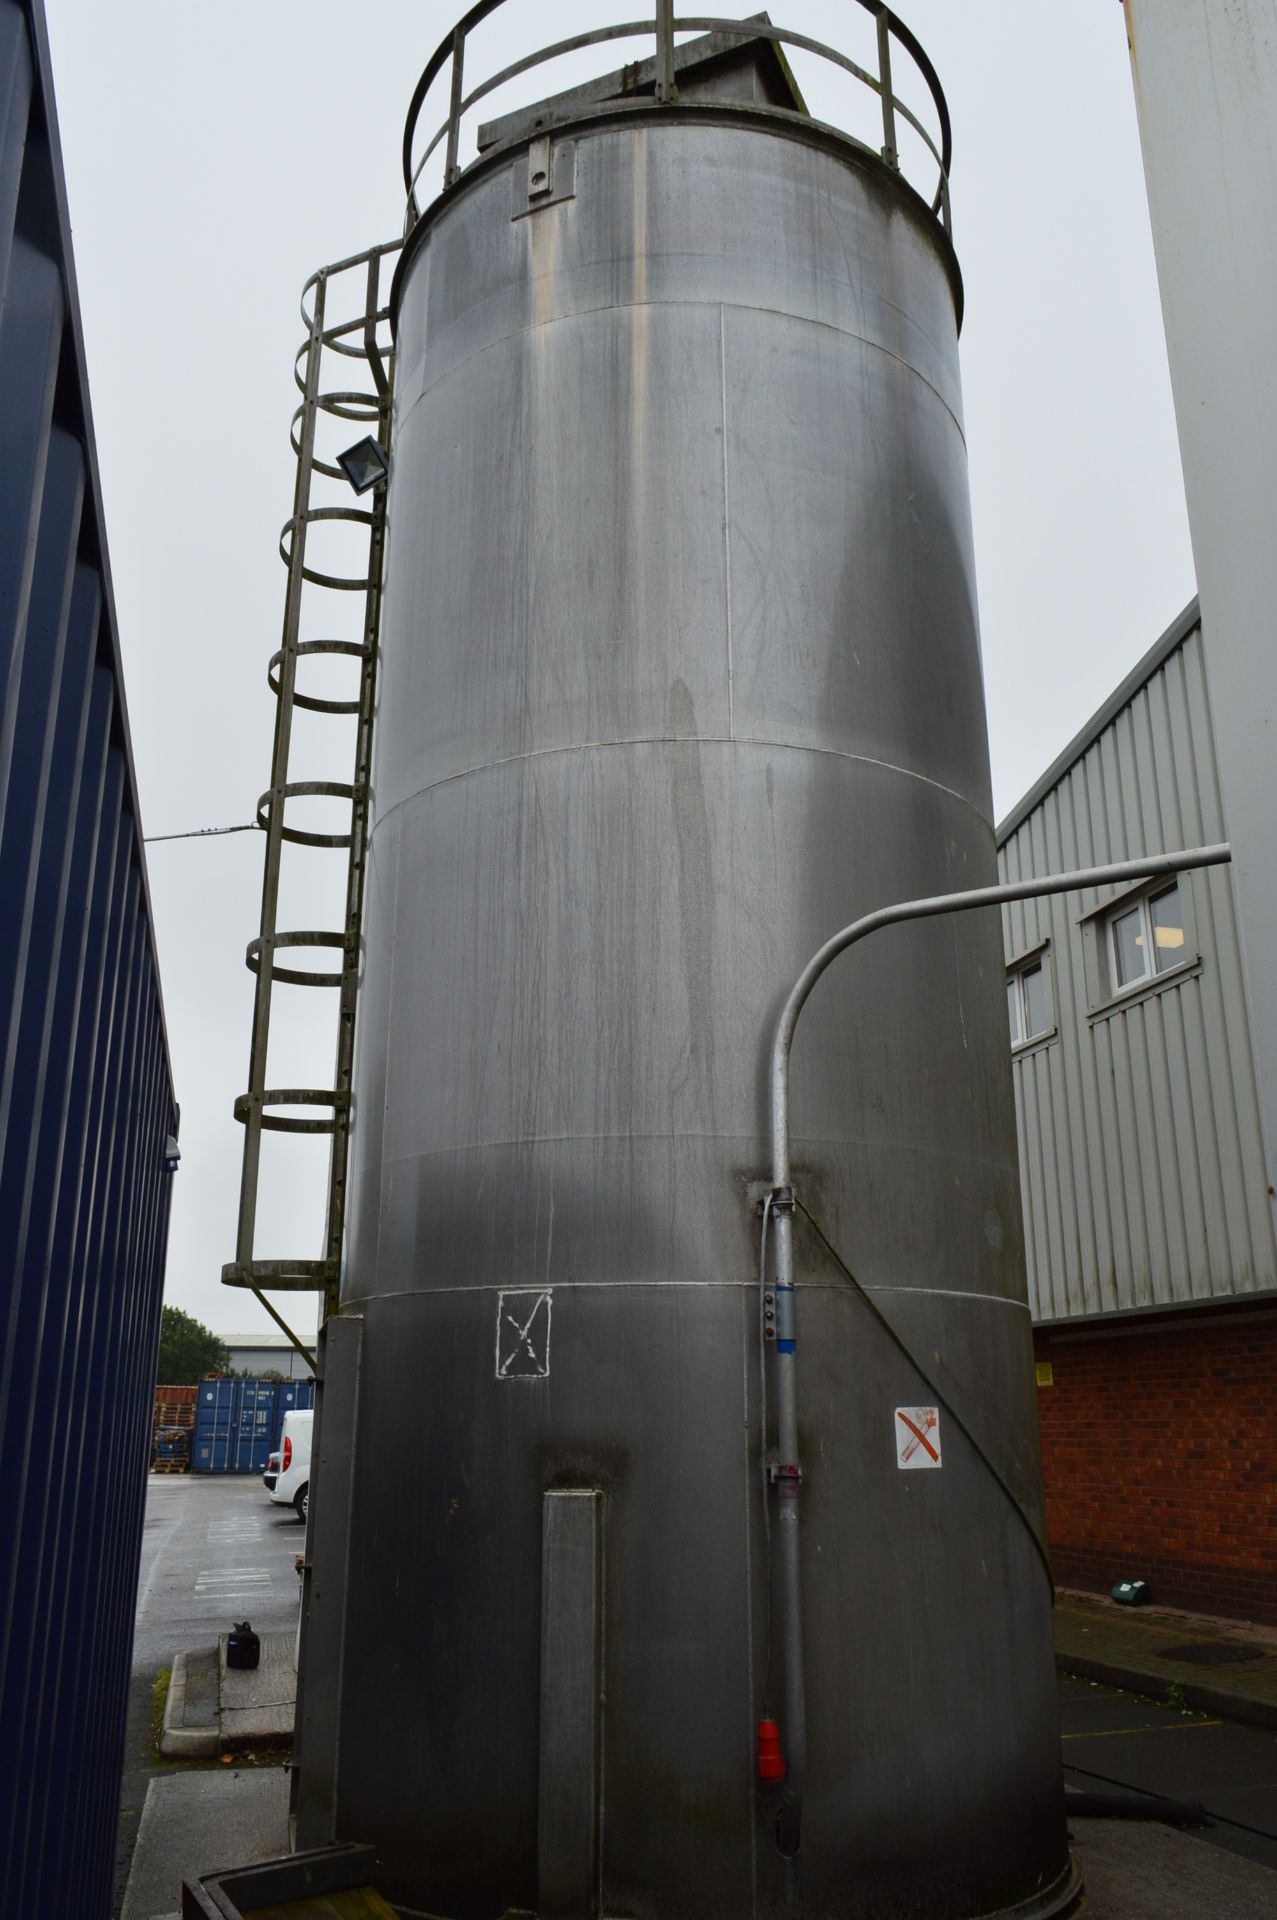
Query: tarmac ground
x=1152, y=1703
x=215, y=1549
x=1233, y=1670
x=1114, y=1741
x=198, y=1820
x=1148, y=1872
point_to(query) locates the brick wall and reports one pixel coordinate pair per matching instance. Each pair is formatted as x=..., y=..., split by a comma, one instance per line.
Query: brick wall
x=1159, y=1450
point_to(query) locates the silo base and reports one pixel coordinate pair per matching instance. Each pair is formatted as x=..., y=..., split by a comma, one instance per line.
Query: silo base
x=1060, y=1897
x=1048, y=1903
x=317, y=1881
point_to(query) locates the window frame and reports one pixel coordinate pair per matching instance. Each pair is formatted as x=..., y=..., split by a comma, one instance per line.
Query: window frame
x=1104, y=995
x=1033, y=960
x=1143, y=904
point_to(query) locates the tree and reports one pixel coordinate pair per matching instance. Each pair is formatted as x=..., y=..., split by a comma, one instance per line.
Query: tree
x=188, y=1350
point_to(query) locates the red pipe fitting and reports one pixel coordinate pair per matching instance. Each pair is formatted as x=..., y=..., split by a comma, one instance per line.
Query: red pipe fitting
x=771, y=1765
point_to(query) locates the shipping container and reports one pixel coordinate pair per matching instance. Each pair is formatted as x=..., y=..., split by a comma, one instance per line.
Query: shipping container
x=88, y=1120
x=238, y=1422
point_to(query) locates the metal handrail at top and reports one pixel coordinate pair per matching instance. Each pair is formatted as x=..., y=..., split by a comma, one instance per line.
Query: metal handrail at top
x=662, y=29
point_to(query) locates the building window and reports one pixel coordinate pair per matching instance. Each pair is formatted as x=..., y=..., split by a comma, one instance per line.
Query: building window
x=1029, y=1003
x=1146, y=938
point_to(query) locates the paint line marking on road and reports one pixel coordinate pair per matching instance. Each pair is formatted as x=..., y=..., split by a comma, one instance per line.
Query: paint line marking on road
x=1108, y=1733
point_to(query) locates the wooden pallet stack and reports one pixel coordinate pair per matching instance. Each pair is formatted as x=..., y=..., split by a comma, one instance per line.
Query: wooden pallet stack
x=171, y=1429
x=175, y=1406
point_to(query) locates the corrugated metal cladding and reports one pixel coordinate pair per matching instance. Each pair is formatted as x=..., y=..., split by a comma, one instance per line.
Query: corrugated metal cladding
x=1140, y=1155
x=86, y=1099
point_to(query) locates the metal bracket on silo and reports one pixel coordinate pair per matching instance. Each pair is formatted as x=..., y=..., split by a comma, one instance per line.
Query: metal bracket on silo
x=571, y=1704
x=543, y=176
x=325, y=1581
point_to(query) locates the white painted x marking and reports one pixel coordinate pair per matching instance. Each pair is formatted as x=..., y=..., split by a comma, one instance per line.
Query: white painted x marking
x=522, y=1332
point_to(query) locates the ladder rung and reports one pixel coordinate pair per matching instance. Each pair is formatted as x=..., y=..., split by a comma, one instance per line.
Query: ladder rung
x=292, y=1097
x=300, y=976
x=281, y=1276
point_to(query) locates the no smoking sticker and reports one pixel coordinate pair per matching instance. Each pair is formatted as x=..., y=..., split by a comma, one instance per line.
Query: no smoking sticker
x=917, y=1437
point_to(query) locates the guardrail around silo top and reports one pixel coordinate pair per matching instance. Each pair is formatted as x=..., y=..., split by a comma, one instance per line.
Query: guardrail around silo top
x=452, y=51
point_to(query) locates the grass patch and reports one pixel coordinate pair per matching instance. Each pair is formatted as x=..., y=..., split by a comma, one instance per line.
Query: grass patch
x=159, y=1700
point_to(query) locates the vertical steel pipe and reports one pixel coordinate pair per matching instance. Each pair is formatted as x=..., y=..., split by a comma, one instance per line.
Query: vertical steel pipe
x=788, y=1471
x=889, y=152
x=665, y=51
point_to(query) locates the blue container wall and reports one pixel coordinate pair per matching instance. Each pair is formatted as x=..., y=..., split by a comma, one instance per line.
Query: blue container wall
x=238, y=1422
x=295, y=1396
x=86, y=1097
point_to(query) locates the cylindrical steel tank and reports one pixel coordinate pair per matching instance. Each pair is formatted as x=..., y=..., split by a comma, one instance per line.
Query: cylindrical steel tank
x=680, y=672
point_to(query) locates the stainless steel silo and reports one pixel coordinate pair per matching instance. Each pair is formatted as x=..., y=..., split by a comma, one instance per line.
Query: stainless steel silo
x=680, y=672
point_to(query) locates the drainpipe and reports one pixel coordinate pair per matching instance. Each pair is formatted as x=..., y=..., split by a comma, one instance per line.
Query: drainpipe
x=788, y=1485
x=788, y=1474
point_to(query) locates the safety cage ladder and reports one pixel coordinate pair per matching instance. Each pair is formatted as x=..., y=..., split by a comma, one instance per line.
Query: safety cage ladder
x=345, y=309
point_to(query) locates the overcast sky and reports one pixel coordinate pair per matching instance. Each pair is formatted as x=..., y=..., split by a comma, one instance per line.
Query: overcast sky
x=216, y=155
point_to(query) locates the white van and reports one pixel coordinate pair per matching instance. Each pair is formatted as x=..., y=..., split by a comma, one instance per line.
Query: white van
x=292, y=1483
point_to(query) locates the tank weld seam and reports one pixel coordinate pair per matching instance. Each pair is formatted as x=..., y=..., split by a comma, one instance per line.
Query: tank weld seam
x=609, y=1286
x=747, y=1140
x=682, y=739
x=939, y=1293
x=889, y=1144
x=837, y=1140
x=552, y=1140
x=575, y=1286
x=724, y=307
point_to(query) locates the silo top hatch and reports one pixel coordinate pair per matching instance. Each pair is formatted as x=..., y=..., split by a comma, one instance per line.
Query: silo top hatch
x=878, y=100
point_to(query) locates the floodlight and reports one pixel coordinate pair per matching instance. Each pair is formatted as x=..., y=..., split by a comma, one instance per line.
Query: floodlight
x=366, y=465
